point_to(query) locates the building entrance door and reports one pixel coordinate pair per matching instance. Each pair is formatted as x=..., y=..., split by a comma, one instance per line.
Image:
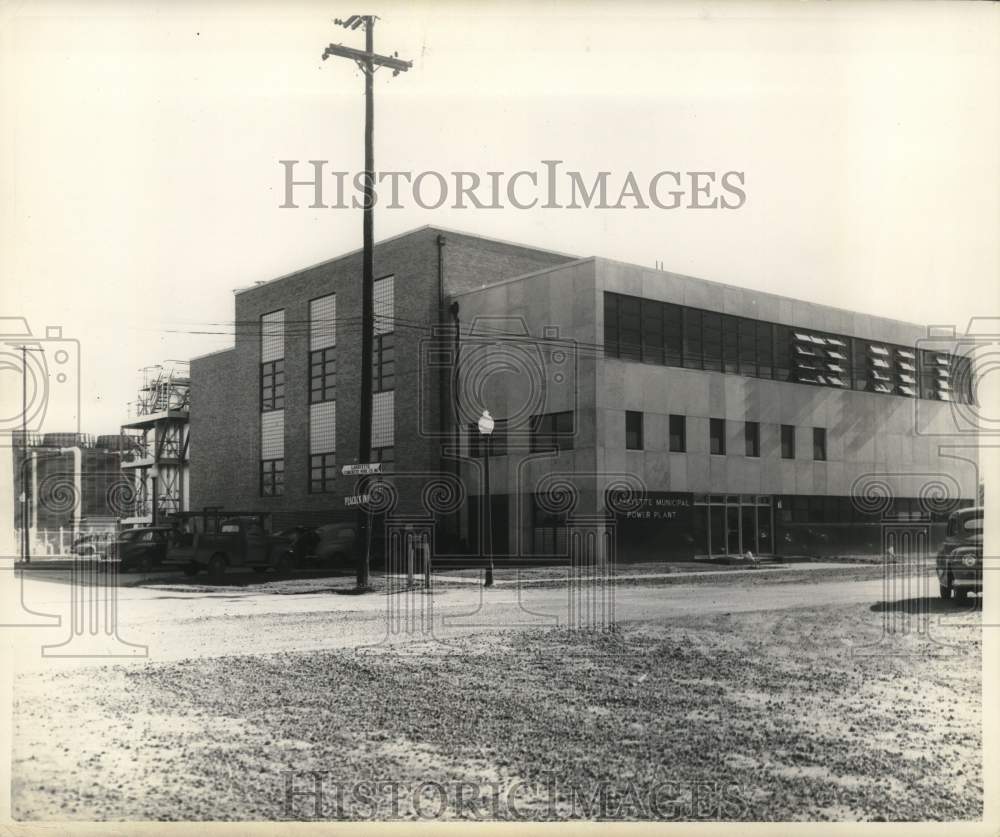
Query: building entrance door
x=737, y=523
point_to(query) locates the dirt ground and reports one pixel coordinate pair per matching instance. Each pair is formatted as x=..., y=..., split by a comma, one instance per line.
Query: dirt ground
x=823, y=713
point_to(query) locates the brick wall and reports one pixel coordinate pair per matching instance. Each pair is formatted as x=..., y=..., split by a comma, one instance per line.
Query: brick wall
x=225, y=414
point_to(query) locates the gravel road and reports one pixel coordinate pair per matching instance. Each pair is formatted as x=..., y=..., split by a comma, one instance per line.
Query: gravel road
x=741, y=701
x=175, y=621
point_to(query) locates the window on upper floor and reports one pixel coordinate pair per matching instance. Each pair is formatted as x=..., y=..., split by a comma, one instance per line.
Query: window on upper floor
x=717, y=436
x=819, y=444
x=787, y=441
x=633, y=430
x=678, y=434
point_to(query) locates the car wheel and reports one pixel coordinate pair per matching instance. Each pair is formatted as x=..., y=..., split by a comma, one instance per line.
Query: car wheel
x=145, y=564
x=283, y=564
x=961, y=594
x=217, y=566
x=191, y=570
x=945, y=591
x=260, y=570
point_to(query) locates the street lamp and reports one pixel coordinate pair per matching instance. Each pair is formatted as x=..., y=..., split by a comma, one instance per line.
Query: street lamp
x=486, y=425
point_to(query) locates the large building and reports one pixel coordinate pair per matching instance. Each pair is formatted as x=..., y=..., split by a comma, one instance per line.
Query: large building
x=66, y=485
x=668, y=415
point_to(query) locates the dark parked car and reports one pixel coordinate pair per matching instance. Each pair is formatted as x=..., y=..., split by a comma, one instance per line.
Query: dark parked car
x=240, y=541
x=302, y=543
x=335, y=545
x=142, y=549
x=960, y=560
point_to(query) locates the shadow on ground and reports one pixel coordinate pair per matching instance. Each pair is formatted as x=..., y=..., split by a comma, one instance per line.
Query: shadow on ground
x=928, y=604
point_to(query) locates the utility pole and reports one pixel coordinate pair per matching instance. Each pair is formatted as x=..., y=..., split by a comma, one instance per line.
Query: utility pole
x=25, y=547
x=25, y=534
x=369, y=61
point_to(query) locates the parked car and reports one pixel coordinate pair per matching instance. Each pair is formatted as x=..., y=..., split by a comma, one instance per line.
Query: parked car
x=141, y=549
x=303, y=541
x=960, y=559
x=90, y=545
x=335, y=545
x=239, y=542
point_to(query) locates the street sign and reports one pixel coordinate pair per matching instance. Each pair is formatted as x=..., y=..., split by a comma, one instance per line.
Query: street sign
x=357, y=499
x=361, y=469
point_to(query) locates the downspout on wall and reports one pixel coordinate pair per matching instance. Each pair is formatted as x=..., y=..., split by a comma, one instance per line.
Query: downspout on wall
x=447, y=464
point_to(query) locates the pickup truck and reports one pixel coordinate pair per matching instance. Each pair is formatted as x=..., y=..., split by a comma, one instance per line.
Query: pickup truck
x=238, y=542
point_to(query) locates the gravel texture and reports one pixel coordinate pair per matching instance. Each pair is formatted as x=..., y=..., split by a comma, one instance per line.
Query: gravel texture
x=750, y=716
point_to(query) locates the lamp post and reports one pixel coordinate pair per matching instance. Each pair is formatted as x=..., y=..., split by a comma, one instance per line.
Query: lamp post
x=486, y=425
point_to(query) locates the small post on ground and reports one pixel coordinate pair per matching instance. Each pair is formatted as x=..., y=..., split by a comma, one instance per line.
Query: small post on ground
x=486, y=425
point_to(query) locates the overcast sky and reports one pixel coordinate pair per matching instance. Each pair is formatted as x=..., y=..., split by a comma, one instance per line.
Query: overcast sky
x=139, y=149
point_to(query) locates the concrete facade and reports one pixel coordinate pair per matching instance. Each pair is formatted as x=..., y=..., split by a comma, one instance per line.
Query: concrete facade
x=532, y=331
x=872, y=440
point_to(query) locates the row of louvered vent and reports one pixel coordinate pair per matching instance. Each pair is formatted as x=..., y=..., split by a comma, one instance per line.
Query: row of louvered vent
x=826, y=361
x=821, y=360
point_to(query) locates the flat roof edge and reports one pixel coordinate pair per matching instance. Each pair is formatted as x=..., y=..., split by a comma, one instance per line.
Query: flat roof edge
x=404, y=234
x=211, y=354
x=772, y=294
x=523, y=276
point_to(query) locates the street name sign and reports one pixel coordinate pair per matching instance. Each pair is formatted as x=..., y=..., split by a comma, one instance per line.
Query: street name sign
x=361, y=469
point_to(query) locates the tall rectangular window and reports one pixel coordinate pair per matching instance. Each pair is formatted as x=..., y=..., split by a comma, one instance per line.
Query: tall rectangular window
x=383, y=363
x=322, y=376
x=611, y=340
x=384, y=419
x=323, y=322
x=819, y=444
x=384, y=347
x=678, y=434
x=787, y=441
x=322, y=349
x=322, y=472
x=673, y=348
x=652, y=331
x=693, y=358
x=717, y=436
x=765, y=350
x=272, y=477
x=272, y=386
x=630, y=328
x=748, y=347
x=272, y=453
x=322, y=446
x=751, y=432
x=633, y=430
x=730, y=344
x=272, y=361
x=711, y=334
x=272, y=336
x=384, y=298
x=782, y=353
x=552, y=431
